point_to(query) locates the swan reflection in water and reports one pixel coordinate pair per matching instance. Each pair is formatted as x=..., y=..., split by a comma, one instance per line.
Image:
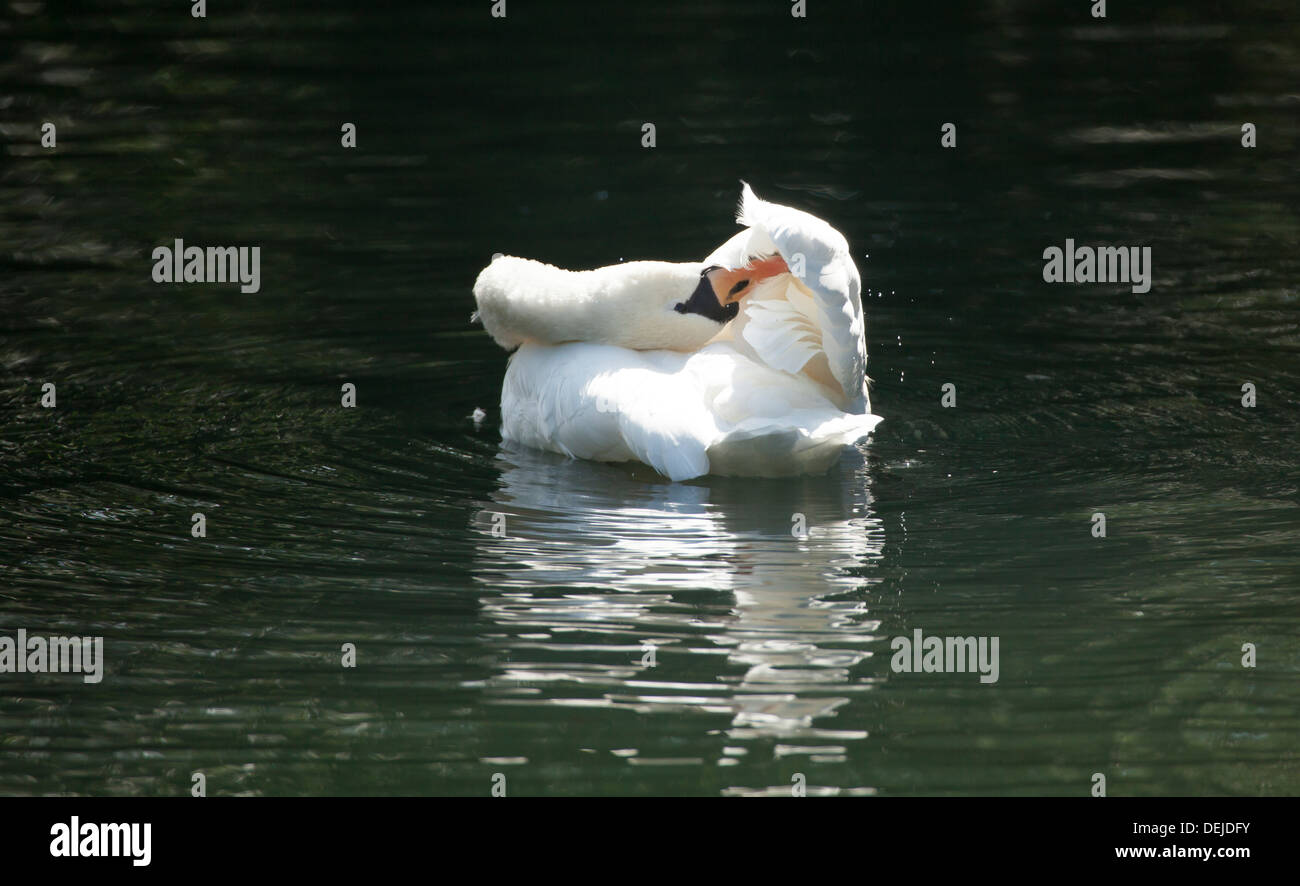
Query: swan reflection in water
x=615, y=588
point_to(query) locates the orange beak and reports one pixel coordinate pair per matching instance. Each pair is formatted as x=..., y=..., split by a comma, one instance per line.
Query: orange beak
x=733, y=285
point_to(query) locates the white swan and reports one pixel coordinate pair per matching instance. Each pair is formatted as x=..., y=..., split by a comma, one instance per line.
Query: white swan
x=750, y=363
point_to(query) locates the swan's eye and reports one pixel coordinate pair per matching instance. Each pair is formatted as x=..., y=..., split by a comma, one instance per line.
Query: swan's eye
x=739, y=286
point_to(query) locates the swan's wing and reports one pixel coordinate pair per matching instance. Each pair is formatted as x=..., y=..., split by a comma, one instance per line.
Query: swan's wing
x=818, y=255
x=609, y=404
x=784, y=328
x=771, y=422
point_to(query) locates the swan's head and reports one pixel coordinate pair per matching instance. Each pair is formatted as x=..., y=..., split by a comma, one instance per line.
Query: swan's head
x=720, y=289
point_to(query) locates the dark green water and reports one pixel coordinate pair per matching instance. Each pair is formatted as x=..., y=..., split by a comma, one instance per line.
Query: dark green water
x=524, y=655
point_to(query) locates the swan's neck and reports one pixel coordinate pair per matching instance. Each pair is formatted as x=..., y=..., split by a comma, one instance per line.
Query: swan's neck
x=633, y=305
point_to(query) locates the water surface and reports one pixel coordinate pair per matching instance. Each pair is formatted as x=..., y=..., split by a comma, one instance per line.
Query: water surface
x=529, y=655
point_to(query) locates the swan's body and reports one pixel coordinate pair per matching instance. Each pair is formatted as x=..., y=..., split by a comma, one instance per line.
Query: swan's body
x=751, y=363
